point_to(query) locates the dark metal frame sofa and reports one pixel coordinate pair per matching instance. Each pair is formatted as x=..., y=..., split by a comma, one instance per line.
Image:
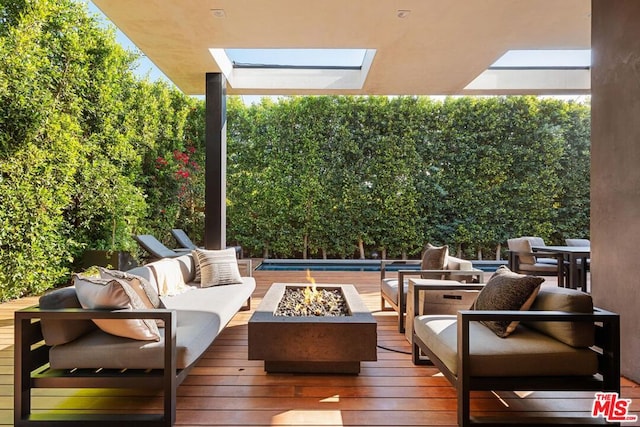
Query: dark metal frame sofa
x=473, y=358
x=84, y=356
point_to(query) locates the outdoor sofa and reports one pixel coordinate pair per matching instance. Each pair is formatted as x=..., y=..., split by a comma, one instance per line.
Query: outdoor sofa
x=559, y=342
x=59, y=346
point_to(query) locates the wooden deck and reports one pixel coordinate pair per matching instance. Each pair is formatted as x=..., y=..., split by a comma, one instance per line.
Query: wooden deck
x=226, y=389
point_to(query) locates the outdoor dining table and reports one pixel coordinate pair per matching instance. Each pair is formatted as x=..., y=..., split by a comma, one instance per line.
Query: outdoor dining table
x=577, y=257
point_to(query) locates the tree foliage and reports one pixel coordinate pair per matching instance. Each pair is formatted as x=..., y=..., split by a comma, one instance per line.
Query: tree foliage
x=79, y=136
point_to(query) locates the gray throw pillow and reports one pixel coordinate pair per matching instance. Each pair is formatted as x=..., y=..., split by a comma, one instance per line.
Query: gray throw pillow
x=507, y=290
x=434, y=258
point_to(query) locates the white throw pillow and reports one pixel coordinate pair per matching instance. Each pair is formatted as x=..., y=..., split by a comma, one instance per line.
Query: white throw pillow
x=217, y=267
x=115, y=294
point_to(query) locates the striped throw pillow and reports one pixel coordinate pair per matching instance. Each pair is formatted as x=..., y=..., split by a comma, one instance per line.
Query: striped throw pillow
x=217, y=267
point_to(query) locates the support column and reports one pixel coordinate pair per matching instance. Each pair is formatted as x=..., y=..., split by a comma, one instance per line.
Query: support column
x=215, y=211
x=615, y=174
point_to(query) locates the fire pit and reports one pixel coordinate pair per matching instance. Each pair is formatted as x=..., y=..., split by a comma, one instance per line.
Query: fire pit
x=312, y=343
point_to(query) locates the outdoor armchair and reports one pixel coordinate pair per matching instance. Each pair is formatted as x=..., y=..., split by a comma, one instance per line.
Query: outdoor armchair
x=396, y=296
x=522, y=259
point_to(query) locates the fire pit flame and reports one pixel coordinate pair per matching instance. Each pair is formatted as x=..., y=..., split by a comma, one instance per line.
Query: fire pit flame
x=310, y=301
x=311, y=294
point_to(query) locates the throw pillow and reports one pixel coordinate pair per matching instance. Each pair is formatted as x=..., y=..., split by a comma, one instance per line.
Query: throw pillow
x=507, y=290
x=217, y=267
x=145, y=290
x=434, y=258
x=115, y=294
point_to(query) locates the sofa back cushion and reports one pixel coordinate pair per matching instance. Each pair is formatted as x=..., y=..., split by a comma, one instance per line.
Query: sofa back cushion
x=575, y=334
x=56, y=332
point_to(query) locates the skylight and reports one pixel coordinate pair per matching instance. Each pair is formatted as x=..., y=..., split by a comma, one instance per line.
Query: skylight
x=536, y=71
x=291, y=69
x=297, y=58
x=577, y=58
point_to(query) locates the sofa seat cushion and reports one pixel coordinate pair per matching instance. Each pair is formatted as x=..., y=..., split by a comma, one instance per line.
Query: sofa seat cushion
x=525, y=353
x=223, y=300
x=195, y=332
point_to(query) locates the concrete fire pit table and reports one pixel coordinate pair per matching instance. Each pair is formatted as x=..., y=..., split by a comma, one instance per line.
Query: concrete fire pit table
x=312, y=344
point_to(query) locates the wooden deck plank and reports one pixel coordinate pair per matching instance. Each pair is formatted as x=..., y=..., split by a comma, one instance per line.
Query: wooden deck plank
x=227, y=389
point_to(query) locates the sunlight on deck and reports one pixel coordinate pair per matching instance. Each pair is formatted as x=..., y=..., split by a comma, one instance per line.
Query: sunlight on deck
x=308, y=417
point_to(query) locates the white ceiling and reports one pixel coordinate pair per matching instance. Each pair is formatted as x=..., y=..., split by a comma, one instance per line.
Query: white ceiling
x=438, y=49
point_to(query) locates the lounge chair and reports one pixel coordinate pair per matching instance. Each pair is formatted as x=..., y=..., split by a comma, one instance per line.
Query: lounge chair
x=156, y=249
x=182, y=238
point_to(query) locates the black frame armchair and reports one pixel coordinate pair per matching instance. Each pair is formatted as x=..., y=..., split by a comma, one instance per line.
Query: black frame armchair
x=400, y=305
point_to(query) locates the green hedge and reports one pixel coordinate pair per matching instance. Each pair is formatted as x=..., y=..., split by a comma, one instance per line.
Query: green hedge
x=350, y=176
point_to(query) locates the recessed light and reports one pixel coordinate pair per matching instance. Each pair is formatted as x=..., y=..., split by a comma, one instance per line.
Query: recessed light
x=403, y=13
x=218, y=13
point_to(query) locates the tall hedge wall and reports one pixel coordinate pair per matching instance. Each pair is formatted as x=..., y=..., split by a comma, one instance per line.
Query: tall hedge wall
x=353, y=176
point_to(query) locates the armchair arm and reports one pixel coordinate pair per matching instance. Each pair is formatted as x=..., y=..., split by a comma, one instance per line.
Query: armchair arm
x=386, y=262
x=248, y=265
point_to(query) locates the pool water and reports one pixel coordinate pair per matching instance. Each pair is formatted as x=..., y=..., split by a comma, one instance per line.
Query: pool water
x=353, y=265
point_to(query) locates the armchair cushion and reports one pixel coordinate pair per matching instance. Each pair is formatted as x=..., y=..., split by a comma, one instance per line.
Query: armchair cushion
x=525, y=353
x=507, y=290
x=434, y=258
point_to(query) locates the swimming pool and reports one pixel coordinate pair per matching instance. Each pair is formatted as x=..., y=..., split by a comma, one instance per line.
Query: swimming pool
x=352, y=265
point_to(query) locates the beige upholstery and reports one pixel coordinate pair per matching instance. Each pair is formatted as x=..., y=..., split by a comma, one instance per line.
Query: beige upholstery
x=202, y=313
x=575, y=334
x=524, y=353
x=533, y=349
